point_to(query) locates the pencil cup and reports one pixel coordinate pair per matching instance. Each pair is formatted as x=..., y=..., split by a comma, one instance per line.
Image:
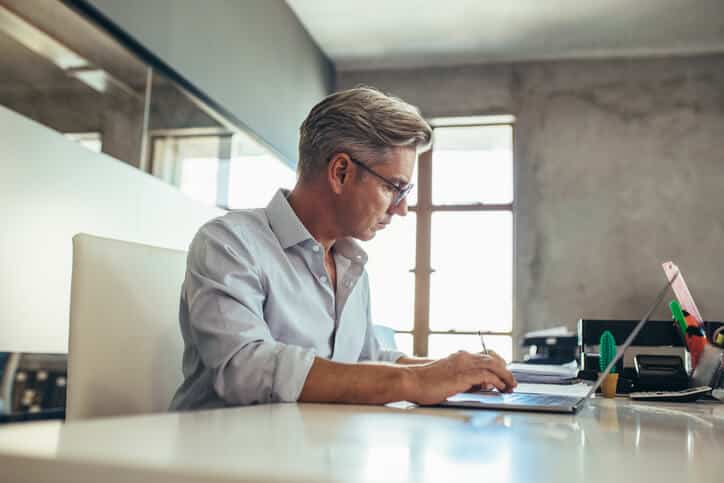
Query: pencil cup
x=609, y=385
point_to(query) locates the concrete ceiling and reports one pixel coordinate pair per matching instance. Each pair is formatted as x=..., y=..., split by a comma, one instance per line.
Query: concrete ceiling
x=377, y=34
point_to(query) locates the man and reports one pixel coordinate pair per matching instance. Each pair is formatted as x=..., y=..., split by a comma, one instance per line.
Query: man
x=275, y=304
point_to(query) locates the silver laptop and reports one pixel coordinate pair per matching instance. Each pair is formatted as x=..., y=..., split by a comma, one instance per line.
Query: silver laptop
x=520, y=401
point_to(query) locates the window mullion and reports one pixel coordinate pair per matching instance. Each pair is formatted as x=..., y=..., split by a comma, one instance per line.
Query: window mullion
x=422, y=254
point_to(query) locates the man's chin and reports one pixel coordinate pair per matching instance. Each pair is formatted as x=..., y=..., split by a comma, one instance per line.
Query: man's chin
x=367, y=235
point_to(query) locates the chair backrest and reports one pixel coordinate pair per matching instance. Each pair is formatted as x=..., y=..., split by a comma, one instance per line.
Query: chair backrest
x=125, y=346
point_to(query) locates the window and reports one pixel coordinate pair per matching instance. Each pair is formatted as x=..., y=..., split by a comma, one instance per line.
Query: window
x=255, y=174
x=218, y=167
x=458, y=280
x=190, y=162
x=89, y=140
x=391, y=256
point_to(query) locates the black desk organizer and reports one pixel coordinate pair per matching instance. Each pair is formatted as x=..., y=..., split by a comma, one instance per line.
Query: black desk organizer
x=656, y=333
x=556, y=349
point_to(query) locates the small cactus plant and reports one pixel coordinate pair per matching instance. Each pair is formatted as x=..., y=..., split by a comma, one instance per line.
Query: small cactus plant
x=607, y=351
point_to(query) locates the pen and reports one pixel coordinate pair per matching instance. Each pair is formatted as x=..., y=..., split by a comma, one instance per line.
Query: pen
x=482, y=342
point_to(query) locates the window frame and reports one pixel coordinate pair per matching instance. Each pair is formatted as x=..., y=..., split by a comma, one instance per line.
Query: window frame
x=424, y=209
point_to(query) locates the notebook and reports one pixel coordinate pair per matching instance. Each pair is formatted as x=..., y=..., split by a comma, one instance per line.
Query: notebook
x=548, y=403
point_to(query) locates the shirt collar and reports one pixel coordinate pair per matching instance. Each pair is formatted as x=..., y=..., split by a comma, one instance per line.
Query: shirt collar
x=290, y=230
x=285, y=224
x=350, y=249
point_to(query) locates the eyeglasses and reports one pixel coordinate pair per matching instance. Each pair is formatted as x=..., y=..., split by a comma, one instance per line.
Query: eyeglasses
x=401, y=192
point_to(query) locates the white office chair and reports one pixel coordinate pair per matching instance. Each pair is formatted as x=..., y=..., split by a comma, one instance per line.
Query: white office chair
x=125, y=346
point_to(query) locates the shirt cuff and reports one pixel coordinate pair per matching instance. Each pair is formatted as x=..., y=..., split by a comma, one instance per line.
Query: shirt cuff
x=292, y=367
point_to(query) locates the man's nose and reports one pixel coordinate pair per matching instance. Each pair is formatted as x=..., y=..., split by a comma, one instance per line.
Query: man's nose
x=400, y=209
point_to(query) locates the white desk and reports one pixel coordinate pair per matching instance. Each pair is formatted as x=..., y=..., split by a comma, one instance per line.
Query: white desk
x=608, y=441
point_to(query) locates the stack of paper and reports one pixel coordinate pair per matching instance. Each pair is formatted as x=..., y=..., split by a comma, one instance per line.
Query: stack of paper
x=544, y=373
x=579, y=389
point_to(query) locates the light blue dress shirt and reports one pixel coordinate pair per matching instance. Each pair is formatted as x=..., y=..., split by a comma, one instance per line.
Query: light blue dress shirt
x=257, y=306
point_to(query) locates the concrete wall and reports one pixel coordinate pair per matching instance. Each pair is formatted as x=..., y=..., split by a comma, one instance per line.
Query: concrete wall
x=619, y=167
x=118, y=118
x=52, y=188
x=253, y=57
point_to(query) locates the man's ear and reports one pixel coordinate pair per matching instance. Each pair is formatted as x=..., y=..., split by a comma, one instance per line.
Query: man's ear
x=338, y=172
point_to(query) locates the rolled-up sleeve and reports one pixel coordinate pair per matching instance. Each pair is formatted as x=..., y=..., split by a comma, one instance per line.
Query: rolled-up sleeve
x=225, y=293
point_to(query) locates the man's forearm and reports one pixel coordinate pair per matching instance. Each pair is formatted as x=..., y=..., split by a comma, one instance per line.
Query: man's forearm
x=428, y=383
x=330, y=381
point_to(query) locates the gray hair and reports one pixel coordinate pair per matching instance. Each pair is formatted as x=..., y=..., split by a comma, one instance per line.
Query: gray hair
x=362, y=122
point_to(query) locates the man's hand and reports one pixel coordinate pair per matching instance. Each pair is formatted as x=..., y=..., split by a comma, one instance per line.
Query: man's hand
x=496, y=356
x=434, y=382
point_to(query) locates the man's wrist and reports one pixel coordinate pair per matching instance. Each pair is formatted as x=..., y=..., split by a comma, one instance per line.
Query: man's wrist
x=410, y=383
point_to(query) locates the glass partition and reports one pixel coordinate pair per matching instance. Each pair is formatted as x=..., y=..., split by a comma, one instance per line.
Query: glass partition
x=62, y=70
